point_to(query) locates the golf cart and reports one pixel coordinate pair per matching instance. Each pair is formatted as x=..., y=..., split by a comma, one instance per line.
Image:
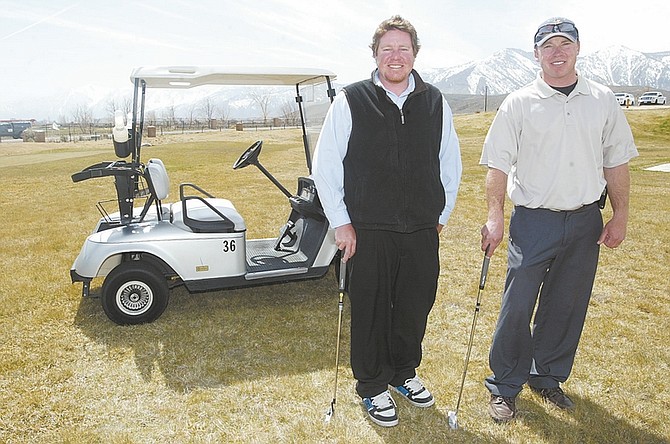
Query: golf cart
x=149, y=246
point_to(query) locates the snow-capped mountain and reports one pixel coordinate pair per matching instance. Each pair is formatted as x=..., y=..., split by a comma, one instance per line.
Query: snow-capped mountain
x=509, y=69
x=503, y=72
x=618, y=65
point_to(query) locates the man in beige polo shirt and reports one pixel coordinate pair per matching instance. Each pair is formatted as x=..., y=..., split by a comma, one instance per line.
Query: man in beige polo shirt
x=554, y=145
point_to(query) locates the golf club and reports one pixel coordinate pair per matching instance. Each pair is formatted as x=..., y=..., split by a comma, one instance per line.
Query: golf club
x=453, y=414
x=340, y=306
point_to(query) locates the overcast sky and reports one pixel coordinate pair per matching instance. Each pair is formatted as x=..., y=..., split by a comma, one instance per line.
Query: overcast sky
x=54, y=45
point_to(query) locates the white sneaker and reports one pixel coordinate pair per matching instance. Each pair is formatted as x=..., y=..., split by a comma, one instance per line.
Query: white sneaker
x=381, y=409
x=415, y=392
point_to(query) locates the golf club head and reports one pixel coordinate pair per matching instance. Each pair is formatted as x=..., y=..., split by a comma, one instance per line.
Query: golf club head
x=329, y=414
x=453, y=420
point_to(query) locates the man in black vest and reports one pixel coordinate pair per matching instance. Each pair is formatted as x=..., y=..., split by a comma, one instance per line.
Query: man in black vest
x=387, y=168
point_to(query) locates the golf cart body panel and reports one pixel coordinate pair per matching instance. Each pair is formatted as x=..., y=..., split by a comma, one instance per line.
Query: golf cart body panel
x=189, y=255
x=200, y=240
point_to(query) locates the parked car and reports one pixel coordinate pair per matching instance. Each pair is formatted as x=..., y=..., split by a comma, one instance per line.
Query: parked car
x=651, y=98
x=625, y=99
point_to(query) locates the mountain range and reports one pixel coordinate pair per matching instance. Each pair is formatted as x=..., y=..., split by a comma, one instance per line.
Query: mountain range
x=621, y=68
x=510, y=69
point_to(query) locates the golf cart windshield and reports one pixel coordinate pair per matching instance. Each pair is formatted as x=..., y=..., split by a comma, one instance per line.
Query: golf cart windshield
x=313, y=91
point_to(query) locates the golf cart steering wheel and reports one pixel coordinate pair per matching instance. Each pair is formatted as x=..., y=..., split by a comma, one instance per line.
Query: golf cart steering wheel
x=249, y=157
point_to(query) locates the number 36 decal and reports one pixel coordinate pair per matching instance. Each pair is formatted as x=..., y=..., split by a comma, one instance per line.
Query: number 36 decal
x=229, y=246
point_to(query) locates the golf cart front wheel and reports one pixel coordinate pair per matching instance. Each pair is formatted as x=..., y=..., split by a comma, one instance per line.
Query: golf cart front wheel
x=134, y=293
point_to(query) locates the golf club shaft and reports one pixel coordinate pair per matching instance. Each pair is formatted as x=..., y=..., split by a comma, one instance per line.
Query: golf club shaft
x=340, y=307
x=482, y=283
x=341, y=281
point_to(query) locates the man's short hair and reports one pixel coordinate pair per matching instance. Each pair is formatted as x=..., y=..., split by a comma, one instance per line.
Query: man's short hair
x=399, y=23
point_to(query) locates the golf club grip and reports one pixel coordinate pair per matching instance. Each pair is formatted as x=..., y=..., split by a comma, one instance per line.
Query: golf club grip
x=485, y=271
x=343, y=276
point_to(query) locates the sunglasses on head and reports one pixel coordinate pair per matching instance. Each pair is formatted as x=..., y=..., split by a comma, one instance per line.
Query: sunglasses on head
x=553, y=28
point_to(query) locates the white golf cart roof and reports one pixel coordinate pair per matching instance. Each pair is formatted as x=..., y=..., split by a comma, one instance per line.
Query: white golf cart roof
x=192, y=76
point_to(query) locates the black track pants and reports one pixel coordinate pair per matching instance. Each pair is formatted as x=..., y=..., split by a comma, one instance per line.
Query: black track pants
x=392, y=286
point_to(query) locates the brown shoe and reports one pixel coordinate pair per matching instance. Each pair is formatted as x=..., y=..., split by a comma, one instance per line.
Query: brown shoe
x=556, y=396
x=502, y=408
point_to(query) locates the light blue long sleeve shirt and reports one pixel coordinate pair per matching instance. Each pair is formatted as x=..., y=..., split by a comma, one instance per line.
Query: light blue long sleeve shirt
x=331, y=149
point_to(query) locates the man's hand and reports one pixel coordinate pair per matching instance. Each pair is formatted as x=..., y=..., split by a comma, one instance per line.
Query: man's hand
x=618, y=187
x=492, y=234
x=613, y=233
x=345, y=239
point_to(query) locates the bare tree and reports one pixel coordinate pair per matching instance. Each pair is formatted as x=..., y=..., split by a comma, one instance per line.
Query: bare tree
x=263, y=102
x=289, y=111
x=62, y=119
x=124, y=104
x=150, y=117
x=111, y=107
x=208, y=109
x=191, y=115
x=169, y=116
x=224, y=113
x=127, y=105
x=83, y=118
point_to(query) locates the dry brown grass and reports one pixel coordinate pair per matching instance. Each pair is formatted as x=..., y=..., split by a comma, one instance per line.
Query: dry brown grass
x=256, y=365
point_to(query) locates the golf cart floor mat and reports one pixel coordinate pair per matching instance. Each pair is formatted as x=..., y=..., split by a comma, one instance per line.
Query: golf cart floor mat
x=261, y=256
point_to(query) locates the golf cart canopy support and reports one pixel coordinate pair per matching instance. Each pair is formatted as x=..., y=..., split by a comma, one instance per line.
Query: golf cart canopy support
x=185, y=77
x=192, y=76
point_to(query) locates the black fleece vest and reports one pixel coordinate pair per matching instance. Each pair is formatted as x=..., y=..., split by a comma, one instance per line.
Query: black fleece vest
x=392, y=169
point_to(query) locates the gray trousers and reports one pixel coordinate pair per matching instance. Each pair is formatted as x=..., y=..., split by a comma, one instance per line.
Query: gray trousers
x=552, y=262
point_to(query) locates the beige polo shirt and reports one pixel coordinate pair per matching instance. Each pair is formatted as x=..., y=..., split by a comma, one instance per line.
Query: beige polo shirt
x=553, y=148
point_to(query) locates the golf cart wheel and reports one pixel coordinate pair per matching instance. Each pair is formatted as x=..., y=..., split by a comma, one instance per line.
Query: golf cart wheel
x=134, y=293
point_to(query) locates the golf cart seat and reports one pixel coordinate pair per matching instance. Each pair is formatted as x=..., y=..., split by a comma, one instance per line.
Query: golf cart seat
x=206, y=214
x=159, y=188
x=193, y=212
x=159, y=179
